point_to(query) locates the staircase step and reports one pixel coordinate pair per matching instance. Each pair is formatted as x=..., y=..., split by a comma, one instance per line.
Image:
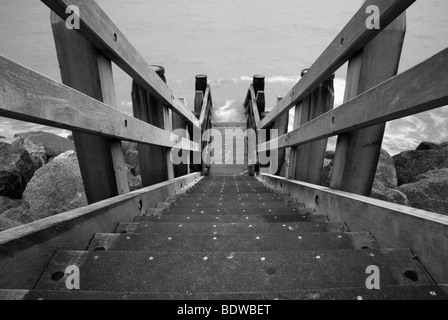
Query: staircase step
x=237, y=211
x=231, y=198
x=232, y=218
x=217, y=196
x=233, y=243
x=205, y=228
x=415, y=292
x=235, y=204
x=161, y=272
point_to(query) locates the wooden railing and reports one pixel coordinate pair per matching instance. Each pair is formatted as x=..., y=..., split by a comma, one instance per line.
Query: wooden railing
x=203, y=105
x=374, y=95
x=86, y=104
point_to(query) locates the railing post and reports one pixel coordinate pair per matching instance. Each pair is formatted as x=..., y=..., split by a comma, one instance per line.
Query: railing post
x=153, y=159
x=180, y=123
x=83, y=68
x=281, y=125
x=307, y=160
x=357, y=152
x=200, y=89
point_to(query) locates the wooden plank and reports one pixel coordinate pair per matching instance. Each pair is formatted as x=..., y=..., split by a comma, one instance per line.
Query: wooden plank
x=26, y=250
x=180, y=123
x=205, y=109
x=419, y=89
x=310, y=157
x=392, y=225
x=100, y=159
x=281, y=125
x=29, y=96
x=380, y=61
x=109, y=98
x=255, y=112
x=351, y=91
x=350, y=40
x=99, y=29
x=168, y=126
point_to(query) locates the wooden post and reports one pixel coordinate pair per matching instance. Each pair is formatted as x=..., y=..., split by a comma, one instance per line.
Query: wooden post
x=259, y=85
x=85, y=69
x=153, y=159
x=281, y=125
x=200, y=89
x=308, y=159
x=357, y=153
x=180, y=123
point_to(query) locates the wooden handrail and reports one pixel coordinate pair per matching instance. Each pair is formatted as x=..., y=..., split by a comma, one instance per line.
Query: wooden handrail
x=30, y=96
x=422, y=88
x=99, y=29
x=350, y=40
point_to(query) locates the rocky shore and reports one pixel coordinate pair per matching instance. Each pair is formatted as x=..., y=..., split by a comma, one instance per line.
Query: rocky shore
x=40, y=177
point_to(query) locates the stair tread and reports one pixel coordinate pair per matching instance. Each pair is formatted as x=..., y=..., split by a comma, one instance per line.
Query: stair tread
x=181, y=272
x=171, y=228
x=236, y=204
x=415, y=292
x=233, y=243
x=235, y=211
x=232, y=218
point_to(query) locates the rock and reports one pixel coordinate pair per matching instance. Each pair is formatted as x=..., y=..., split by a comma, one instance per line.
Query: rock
x=329, y=155
x=444, y=144
x=427, y=146
x=43, y=145
x=135, y=182
x=16, y=169
x=381, y=192
x=429, y=191
x=6, y=224
x=386, y=172
x=132, y=158
x=55, y=188
x=70, y=137
x=128, y=146
x=7, y=203
x=327, y=169
x=410, y=164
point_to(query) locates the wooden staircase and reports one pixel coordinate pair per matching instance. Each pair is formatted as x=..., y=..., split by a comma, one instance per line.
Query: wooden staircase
x=233, y=238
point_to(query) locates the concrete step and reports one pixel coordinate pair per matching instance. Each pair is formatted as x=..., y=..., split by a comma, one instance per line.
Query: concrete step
x=238, y=211
x=232, y=218
x=233, y=243
x=415, y=292
x=170, y=228
x=225, y=197
x=237, y=204
x=224, y=272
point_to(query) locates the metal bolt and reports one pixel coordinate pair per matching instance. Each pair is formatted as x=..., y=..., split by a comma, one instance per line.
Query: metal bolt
x=360, y=298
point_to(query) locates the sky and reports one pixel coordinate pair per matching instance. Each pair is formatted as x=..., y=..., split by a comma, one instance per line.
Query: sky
x=230, y=41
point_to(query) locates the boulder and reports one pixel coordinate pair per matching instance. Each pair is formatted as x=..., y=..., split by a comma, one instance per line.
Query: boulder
x=427, y=146
x=327, y=168
x=7, y=203
x=429, y=191
x=382, y=192
x=410, y=164
x=6, y=224
x=386, y=172
x=135, y=182
x=131, y=158
x=128, y=146
x=16, y=169
x=43, y=145
x=55, y=188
